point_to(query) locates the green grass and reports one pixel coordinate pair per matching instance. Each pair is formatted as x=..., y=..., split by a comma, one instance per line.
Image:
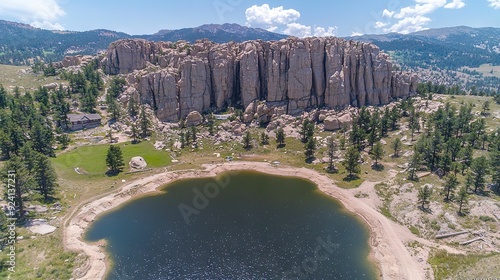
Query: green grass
x=415, y=230
x=11, y=76
x=493, y=114
x=446, y=265
x=42, y=257
x=92, y=159
x=487, y=70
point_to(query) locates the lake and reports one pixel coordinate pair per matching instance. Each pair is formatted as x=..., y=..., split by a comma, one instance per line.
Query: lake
x=240, y=225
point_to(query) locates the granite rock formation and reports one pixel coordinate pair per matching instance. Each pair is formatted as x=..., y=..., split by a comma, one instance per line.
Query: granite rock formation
x=293, y=74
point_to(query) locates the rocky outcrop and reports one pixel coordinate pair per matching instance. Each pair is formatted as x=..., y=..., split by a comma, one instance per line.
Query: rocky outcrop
x=294, y=74
x=73, y=61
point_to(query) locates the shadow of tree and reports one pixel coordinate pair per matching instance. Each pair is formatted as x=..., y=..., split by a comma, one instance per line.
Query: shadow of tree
x=310, y=160
x=378, y=167
x=350, y=178
x=332, y=171
x=425, y=209
x=113, y=173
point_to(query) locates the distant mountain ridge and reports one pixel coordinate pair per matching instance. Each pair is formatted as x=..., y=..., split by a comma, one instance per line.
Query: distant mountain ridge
x=447, y=56
x=21, y=43
x=447, y=48
x=216, y=33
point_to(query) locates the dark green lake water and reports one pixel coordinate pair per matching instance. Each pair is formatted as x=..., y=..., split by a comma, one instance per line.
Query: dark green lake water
x=251, y=226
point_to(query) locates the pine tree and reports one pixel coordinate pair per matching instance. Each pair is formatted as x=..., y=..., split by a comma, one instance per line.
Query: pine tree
x=133, y=107
x=445, y=163
x=194, y=133
x=351, y=162
x=414, y=166
x=64, y=139
x=396, y=146
x=307, y=130
x=372, y=138
x=486, y=107
x=182, y=138
x=29, y=156
x=144, y=124
x=414, y=122
x=469, y=181
x=211, y=128
x=424, y=195
x=89, y=98
x=394, y=117
x=21, y=182
x=247, y=141
x=357, y=135
x=342, y=142
x=116, y=87
x=114, y=110
x=467, y=157
x=495, y=167
x=3, y=97
x=264, y=138
x=280, y=137
x=114, y=159
x=134, y=132
x=479, y=170
x=45, y=176
x=385, y=123
x=42, y=138
x=310, y=149
x=187, y=135
x=450, y=186
x=332, y=148
x=462, y=199
x=377, y=152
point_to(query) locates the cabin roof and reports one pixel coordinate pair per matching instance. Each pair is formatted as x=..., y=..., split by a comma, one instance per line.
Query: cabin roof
x=83, y=117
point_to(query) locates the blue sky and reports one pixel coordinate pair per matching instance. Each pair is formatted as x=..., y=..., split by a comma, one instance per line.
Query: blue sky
x=294, y=17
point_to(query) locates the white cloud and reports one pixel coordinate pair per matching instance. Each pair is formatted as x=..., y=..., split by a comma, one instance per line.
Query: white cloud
x=387, y=13
x=267, y=17
x=279, y=19
x=456, y=4
x=322, y=32
x=297, y=29
x=356, y=34
x=409, y=24
x=415, y=17
x=380, y=24
x=41, y=13
x=423, y=7
x=495, y=4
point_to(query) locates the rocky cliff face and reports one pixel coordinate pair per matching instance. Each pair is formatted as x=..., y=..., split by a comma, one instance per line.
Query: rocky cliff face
x=294, y=74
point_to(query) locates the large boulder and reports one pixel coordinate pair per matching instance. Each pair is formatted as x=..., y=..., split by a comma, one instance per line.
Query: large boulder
x=194, y=119
x=331, y=123
x=137, y=163
x=345, y=120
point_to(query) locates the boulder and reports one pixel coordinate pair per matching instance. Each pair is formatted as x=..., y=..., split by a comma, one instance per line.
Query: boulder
x=137, y=163
x=331, y=123
x=345, y=120
x=194, y=118
x=51, y=86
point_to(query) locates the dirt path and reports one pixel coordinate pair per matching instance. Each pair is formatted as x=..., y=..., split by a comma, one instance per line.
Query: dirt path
x=388, y=250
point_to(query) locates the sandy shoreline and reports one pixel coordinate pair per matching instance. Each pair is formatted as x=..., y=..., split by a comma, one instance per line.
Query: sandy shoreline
x=387, y=249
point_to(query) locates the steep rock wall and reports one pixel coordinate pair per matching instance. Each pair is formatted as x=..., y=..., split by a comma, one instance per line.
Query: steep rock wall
x=177, y=78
